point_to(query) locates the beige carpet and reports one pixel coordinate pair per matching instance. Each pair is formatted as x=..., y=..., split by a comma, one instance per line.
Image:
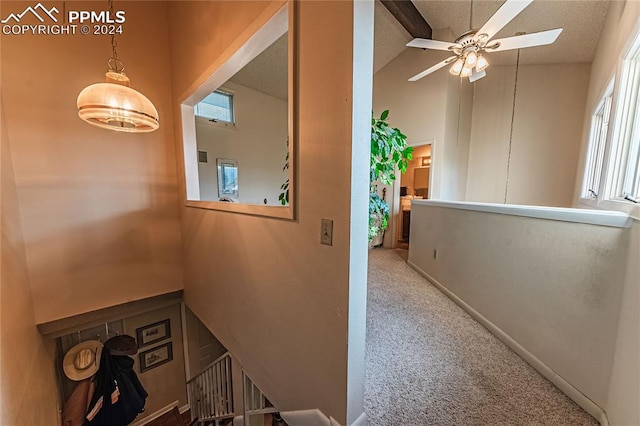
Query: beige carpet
x=429, y=363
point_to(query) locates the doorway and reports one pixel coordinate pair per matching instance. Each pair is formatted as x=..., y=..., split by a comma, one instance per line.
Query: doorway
x=414, y=184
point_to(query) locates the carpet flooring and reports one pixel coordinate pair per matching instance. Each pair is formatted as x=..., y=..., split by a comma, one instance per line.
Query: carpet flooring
x=429, y=363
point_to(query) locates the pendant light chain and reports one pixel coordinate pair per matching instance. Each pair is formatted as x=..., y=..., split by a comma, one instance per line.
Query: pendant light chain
x=114, y=63
x=513, y=113
x=459, y=112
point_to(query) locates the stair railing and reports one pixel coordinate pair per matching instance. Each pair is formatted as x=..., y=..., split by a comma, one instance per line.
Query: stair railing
x=255, y=403
x=210, y=392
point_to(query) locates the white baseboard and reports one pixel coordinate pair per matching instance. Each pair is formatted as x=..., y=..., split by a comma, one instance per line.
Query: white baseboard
x=571, y=391
x=305, y=418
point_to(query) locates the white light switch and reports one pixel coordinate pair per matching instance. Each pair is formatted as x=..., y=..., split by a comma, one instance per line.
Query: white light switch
x=326, y=232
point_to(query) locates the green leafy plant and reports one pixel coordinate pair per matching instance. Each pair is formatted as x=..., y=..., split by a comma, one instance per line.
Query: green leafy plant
x=284, y=195
x=388, y=150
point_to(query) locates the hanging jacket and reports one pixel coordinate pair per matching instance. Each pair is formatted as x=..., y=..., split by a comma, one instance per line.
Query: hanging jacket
x=119, y=396
x=77, y=405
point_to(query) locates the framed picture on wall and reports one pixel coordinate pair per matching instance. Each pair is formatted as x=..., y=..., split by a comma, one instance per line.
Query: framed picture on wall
x=156, y=356
x=152, y=333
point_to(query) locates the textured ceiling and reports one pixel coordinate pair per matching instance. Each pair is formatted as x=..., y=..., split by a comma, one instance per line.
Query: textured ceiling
x=267, y=72
x=389, y=39
x=582, y=21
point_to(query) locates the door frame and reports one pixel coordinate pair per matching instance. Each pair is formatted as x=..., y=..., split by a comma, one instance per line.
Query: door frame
x=390, y=238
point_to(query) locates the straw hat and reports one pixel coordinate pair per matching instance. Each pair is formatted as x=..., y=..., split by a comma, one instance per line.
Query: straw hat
x=83, y=360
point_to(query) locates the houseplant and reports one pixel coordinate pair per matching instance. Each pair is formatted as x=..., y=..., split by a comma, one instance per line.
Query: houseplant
x=388, y=150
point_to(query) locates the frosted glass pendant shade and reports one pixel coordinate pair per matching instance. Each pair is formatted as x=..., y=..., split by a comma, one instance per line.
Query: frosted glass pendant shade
x=457, y=67
x=481, y=64
x=115, y=106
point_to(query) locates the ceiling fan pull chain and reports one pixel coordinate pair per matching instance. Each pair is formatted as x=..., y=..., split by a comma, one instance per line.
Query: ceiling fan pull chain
x=513, y=113
x=459, y=110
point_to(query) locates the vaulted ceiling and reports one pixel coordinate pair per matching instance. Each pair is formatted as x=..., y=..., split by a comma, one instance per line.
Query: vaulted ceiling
x=582, y=21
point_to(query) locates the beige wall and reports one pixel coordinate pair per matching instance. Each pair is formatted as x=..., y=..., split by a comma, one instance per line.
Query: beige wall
x=622, y=20
x=203, y=347
x=554, y=287
x=99, y=209
x=459, y=111
x=546, y=134
x=268, y=290
x=258, y=142
x=416, y=108
x=164, y=383
x=624, y=388
x=28, y=391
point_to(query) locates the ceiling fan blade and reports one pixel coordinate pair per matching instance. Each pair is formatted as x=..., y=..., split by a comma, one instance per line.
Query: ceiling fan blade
x=424, y=43
x=509, y=10
x=436, y=67
x=526, y=40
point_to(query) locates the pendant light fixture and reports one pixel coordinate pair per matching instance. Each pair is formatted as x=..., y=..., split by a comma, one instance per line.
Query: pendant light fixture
x=114, y=105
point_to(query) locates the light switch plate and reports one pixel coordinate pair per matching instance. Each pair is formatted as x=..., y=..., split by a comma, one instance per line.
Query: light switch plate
x=326, y=232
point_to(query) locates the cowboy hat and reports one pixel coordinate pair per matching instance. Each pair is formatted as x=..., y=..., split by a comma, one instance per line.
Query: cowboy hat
x=83, y=360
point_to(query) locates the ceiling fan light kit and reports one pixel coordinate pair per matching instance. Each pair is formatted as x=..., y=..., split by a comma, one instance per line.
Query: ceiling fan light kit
x=482, y=63
x=469, y=60
x=457, y=66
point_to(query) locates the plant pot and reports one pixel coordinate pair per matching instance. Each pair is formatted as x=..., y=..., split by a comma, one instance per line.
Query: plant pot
x=377, y=240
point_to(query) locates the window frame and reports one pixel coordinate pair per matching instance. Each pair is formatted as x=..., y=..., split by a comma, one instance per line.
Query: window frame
x=260, y=35
x=624, y=146
x=597, y=148
x=608, y=196
x=217, y=121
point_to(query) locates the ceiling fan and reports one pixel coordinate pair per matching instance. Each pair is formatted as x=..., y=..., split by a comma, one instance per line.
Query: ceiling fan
x=468, y=49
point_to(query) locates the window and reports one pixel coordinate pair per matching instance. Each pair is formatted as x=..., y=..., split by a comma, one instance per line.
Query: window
x=624, y=175
x=218, y=106
x=597, y=142
x=227, y=179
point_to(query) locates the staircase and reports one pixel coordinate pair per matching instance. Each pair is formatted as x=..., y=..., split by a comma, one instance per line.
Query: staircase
x=255, y=403
x=210, y=393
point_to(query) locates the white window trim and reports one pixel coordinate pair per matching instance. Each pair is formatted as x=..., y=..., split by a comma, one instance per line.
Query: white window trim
x=606, y=197
x=624, y=129
x=217, y=122
x=607, y=96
